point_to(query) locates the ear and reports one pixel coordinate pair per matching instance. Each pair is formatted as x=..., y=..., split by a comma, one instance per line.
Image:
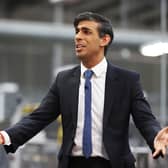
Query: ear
x=105, y=40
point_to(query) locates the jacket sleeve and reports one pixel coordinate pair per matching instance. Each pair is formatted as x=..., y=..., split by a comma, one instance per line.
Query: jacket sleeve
x=143, y=118
x=32, y=124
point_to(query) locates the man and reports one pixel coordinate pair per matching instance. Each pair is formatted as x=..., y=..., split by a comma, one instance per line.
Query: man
x=95, y=101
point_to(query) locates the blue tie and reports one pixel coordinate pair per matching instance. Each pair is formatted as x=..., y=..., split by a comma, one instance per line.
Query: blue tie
x=87, y=137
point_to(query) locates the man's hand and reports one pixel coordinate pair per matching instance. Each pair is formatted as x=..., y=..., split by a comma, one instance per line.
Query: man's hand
x=161, y=143
x=1, y=139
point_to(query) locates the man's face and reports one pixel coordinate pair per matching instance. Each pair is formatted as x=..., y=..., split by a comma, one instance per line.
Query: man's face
x=87, y=40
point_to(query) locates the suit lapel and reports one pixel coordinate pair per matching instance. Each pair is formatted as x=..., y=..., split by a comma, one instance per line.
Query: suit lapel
x=111, y=91
x=74, y=91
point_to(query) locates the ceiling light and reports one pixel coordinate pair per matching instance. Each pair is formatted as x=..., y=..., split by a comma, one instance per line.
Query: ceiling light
x=154, y=49
x=55, y=1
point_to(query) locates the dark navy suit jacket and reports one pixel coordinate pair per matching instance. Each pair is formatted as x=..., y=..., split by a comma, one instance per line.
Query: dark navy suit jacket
x=123, y=97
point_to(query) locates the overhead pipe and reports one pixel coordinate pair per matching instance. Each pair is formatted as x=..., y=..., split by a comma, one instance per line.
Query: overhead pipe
x=65, y=32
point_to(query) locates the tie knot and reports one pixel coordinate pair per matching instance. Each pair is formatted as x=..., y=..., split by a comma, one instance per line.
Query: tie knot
x=88, y=74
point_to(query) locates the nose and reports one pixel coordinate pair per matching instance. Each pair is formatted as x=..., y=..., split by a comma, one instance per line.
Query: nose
x=78, y=36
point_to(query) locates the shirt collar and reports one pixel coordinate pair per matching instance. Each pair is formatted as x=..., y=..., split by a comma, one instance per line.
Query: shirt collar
x=98, y=70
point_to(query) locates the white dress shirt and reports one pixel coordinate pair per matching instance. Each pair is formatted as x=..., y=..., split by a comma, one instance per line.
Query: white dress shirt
x=97, y=108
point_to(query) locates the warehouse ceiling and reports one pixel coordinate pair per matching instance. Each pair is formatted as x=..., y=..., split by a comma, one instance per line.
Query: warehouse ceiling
x=124, y=13
x=143, y=14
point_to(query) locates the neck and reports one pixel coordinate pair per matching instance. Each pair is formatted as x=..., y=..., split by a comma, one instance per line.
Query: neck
x=88, y=63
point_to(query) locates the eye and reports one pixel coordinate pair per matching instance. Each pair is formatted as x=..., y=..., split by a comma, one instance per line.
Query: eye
x=86, y=31
x=76, y=31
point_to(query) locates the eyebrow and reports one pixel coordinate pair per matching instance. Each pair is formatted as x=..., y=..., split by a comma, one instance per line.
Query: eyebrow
x=83, y=28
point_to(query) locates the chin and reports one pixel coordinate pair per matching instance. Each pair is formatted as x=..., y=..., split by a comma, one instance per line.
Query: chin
x=80, y=56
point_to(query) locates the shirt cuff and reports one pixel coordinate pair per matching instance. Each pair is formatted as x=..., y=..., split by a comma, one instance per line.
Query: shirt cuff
x=6, y=138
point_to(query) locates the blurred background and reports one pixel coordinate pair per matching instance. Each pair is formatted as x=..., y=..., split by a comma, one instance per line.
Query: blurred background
x=36, y=41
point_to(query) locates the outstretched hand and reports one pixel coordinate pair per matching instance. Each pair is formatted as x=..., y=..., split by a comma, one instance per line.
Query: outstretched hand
x=161, y=143
x=1, y=139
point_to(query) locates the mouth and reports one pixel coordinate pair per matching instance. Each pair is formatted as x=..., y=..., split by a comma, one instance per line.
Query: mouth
x=79, y=47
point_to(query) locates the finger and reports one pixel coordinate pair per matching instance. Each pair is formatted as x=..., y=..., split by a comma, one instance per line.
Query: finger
x=159, y=152
x=156, y=154
x=164, y=151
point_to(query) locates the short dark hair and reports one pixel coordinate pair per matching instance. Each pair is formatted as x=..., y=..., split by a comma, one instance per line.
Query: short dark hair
x=104, y=28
